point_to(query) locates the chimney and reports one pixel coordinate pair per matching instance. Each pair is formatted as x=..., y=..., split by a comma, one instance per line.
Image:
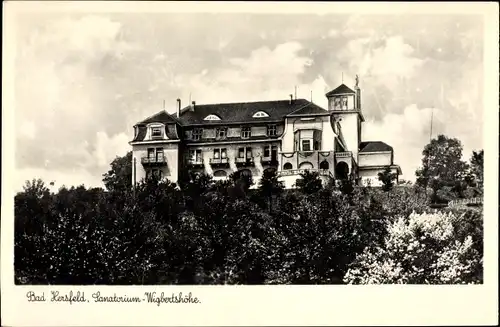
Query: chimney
x=193, y=104
x=291, y=98
x=178, y=108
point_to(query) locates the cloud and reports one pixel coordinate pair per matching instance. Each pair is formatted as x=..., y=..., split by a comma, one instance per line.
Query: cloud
x=265, y=74
x=63, y=96
x=107, y=148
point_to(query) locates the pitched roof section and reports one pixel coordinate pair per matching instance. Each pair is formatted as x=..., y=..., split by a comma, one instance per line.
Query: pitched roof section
x=374, y=146
x=241, y=112
x=309, y=109
x=160, y=117
x=342, y=89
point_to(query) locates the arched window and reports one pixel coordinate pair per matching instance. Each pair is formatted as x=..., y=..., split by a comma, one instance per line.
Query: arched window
x=220, y=173
x=324, y=165
x=260, y=114
x=342, y=170
x=287, y=166
x=212, y=117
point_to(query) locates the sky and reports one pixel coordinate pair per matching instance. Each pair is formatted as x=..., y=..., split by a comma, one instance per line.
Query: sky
x=83, y=80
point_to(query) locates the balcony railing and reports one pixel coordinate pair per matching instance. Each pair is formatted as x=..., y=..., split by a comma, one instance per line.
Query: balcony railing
x=219, y=161
x=195, y=162
x=243, y=161
x=159, y=161
x=290, y=172
x=346, y=154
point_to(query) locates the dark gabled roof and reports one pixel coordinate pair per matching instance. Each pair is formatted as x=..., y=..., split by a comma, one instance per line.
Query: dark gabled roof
x=309, y=109
x=160, y=117
x=374, y=146
x=342, y=89
x=240, y=112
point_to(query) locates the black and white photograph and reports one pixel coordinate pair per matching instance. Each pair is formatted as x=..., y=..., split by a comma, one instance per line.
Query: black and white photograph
x=242, y=148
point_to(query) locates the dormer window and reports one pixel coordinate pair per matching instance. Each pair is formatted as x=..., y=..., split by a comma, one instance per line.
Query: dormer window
x=260, y=114
x=246, y=132
x=156, y=132
x=271, y=130
x=220, y=133
x=212, y=117
x=197, y=134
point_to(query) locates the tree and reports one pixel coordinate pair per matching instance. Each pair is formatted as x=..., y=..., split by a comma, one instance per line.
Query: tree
x=269, y=185
x=309, y=183
x=387, y=177
x=420, y=249
x=477, y=167
x=119, y=177
x=442, y=166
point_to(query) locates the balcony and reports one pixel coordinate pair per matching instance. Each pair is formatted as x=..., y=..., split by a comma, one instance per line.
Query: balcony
x=244, y=161
x=195, y=163
x=219, y=162
x=346, y=154
x=154, y=161
x=269, y=161
x=291, y=172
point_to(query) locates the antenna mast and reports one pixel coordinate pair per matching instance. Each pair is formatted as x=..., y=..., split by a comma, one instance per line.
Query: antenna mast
x=295, y=92
x=432, y=117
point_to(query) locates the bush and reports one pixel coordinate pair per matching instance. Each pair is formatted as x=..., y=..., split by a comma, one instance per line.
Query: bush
x=420, y=249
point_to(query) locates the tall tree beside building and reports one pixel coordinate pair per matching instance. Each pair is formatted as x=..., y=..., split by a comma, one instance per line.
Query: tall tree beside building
x=119, y=177
x=442, y=166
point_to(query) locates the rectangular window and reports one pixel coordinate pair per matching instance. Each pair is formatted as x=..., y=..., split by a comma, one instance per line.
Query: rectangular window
x=267, y=151
x=151, y=153
x=241, y=153
x=216, y=153
x=306, y=145
x=159, y=154
x=271, y=130
x=156, y=132
x=246, y=132
x=344, y=103
x=195, y=155
x=220, y=133
x=249, y=153
x=197, y=133
x=223, y=153
x=274, y=152
x=337, y=103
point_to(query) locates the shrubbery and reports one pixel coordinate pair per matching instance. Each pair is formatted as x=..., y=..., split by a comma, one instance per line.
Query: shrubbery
x=226, y=233
x=422, y=249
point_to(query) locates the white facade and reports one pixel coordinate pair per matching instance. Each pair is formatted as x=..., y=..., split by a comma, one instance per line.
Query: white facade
x=302, y=137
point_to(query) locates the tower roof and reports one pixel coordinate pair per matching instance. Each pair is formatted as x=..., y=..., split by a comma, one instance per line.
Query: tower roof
x=342, y=89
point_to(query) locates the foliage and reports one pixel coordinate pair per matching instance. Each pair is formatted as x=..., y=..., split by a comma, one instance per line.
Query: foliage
x=477, y=168
x=443, y=169
x=269, y=186
x=119, y=177
x=387, y=177
x=420, y=249
x=309, y=182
